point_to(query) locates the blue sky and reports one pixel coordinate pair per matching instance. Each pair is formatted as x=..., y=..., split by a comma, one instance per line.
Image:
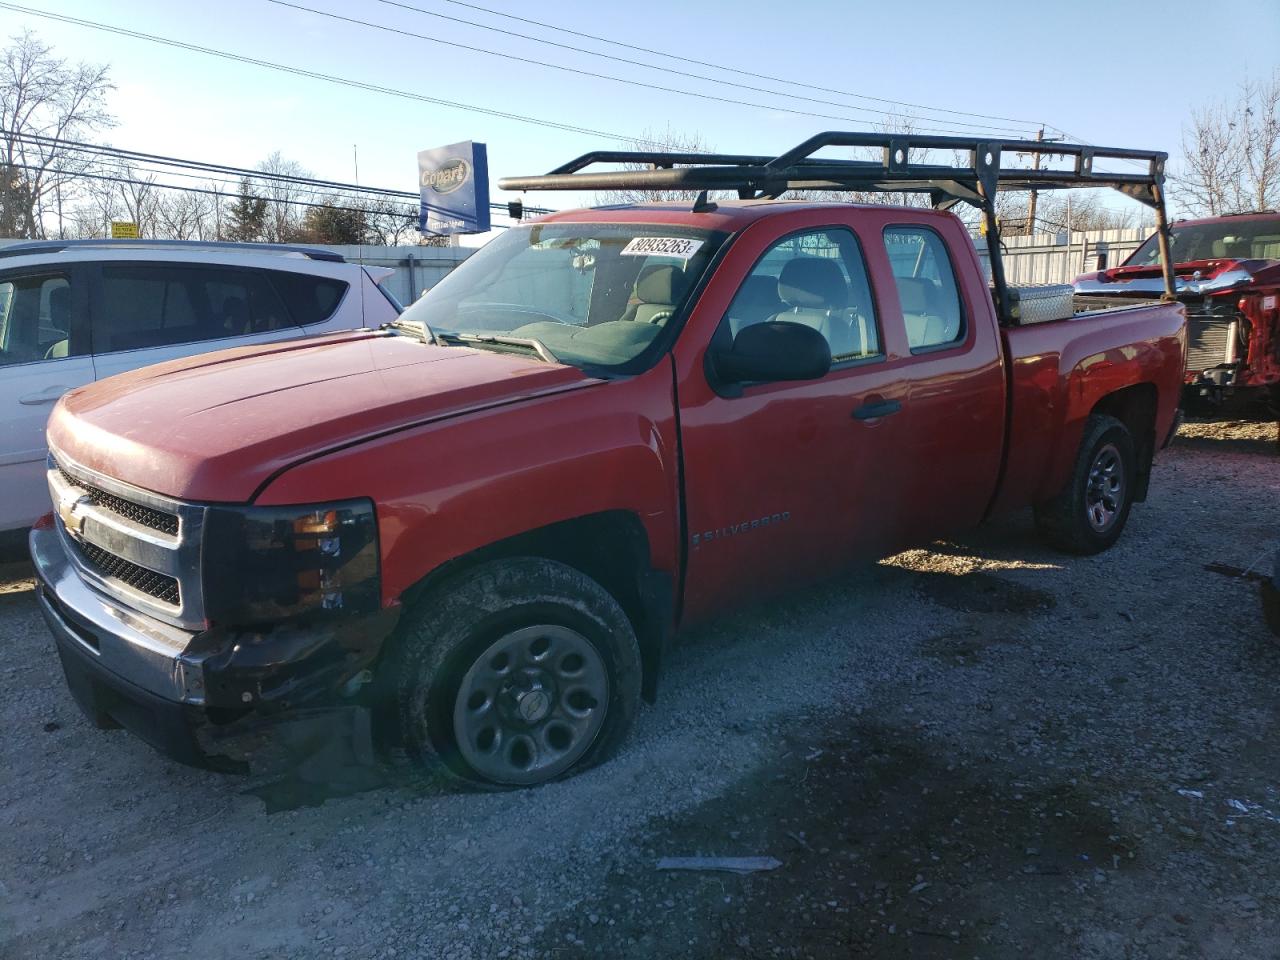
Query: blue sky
x=1111, y=73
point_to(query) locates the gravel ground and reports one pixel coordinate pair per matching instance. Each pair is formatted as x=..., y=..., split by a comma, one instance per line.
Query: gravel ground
x=979, y=749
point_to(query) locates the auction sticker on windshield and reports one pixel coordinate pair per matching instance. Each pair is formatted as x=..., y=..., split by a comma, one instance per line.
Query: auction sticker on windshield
x=678, y=247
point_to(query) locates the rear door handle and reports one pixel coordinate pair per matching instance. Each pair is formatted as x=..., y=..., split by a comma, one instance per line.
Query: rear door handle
x=876, y=409
x=47, y=395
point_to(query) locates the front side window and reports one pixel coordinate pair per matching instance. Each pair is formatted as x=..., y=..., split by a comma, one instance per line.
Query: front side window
x=926, y=286
x=591, y=294
x=35, y=318
x=816, y=278
x=147, y=305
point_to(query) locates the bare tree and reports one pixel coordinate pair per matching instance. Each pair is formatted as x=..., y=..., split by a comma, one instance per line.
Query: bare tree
x=284, y=212
x=44, y=101
x=185, y=215
x=390, y=223
x=1231, y=153
x=668, y=141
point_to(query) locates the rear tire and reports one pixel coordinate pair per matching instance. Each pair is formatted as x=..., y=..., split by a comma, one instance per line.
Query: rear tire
x=514, y=673
x=1090, y=512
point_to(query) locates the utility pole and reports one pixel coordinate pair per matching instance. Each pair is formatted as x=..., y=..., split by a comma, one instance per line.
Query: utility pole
x=1031, y=207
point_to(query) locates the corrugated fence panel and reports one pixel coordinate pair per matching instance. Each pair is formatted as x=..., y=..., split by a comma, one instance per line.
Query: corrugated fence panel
x=1049, y=258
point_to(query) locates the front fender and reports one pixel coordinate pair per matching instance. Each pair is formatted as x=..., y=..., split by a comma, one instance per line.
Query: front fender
x=446, y=489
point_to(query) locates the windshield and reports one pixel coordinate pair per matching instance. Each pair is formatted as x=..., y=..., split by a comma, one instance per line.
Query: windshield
x=1229, y=238
x=591, y=294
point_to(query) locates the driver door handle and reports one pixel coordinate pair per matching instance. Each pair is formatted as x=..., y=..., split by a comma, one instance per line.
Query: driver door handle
x=876, y=409
x=47, y=395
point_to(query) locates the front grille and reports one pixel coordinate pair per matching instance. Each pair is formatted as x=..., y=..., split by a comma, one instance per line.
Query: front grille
x=158, y=585
x=146, y=516
x=1210, y=342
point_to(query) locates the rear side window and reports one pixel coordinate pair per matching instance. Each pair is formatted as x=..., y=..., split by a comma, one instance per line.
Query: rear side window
x=310, y=299
x=926, y=286
x=156, y=305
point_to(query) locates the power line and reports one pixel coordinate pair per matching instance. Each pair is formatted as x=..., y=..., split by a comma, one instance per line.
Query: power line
x=316, y=75
x=355, y=21
x=666, y=70
x=133, y=181
x=745, y=73
x=309, y=185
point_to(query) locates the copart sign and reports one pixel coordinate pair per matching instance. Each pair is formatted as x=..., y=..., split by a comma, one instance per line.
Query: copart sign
x=454, y=185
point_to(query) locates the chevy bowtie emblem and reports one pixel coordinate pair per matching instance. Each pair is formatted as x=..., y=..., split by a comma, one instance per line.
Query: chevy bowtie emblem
x=72, y=518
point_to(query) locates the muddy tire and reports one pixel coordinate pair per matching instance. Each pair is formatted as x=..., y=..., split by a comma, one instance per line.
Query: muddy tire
x=513, y=673
x=1089, y=514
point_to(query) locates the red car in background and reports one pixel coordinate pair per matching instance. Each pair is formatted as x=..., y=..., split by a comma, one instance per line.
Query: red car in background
x=1228, y=275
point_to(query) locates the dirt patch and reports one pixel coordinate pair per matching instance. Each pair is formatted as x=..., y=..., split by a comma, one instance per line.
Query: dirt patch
x=889, y=849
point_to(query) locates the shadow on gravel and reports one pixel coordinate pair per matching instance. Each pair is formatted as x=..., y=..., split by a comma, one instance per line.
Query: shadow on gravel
x=978, y=592
x=889, y=850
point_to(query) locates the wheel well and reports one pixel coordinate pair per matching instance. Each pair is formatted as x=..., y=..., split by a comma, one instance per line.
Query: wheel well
x=1135, y=407
x=610, y=547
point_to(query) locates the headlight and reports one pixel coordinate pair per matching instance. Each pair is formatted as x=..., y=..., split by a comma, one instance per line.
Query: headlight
x=265, y=564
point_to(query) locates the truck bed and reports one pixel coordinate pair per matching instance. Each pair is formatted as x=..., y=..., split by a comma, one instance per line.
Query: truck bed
x=1060, y=370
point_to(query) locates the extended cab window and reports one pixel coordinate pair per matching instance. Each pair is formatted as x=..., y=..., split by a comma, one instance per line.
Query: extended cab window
x=590, y=293
x=35, y=318
x=154, y=305
x=926, y=286
x=816, y=278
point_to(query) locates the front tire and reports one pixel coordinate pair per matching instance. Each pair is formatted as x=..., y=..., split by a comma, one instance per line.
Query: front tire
x=1090, y=512
x=514, y=673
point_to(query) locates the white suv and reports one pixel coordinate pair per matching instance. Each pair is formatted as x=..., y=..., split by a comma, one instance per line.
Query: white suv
x=76, y=311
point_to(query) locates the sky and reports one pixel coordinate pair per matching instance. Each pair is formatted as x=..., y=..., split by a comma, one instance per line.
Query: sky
x=1113, y=73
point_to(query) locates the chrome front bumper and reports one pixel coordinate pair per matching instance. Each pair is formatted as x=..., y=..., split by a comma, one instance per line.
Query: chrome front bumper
x=138, y=649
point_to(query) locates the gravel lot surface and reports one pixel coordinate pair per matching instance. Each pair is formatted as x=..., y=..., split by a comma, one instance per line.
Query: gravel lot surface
x=979, y=749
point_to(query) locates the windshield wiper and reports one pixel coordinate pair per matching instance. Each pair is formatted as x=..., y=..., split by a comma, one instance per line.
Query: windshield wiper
x=530, y=343
x=418, y=329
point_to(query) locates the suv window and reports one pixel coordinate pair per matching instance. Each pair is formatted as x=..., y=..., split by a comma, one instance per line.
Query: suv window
x=817, y=278
x=154, y=305
x=35, y=318
x=926, y=285
x=310, y=299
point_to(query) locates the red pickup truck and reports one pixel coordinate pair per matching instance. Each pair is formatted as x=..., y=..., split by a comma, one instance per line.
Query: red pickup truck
x=1228, y=277
x=478, y=529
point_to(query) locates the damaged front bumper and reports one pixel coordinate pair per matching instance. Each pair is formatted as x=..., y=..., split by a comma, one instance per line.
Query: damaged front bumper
x=207, y=698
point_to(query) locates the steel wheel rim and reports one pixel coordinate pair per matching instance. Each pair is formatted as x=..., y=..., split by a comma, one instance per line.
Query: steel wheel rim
x=1104, y=493
x=531, y=704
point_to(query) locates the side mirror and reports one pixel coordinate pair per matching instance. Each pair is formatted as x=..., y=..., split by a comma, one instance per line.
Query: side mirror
x=776, y=350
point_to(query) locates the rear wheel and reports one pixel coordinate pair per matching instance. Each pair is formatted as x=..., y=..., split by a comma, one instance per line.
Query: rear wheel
x=1090, y=512
x=514, y=673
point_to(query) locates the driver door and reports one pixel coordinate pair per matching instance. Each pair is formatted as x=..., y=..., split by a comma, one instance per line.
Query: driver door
x=44, y=352
x=790, y=481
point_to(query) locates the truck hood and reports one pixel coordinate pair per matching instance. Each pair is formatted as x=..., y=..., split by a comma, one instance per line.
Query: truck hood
x=216, y=426
x=1192, y=279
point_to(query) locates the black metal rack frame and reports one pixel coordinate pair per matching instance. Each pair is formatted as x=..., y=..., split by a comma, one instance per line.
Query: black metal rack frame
x=975, y=182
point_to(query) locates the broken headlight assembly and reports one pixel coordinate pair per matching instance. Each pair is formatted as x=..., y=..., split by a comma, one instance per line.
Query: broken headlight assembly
x=266, y=564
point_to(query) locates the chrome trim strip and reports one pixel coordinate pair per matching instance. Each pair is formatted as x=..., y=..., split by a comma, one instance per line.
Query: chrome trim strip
x=142, y=650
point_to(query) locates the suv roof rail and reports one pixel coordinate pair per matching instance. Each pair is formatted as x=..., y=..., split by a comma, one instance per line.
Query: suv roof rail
x=974, y=176
x=57, y=246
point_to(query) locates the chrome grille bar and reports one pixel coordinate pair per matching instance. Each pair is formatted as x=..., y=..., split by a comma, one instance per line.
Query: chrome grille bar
x=141, y=548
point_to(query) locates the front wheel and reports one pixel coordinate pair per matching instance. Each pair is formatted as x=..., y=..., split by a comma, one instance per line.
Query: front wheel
x=514, y=673
x=1090, y=512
